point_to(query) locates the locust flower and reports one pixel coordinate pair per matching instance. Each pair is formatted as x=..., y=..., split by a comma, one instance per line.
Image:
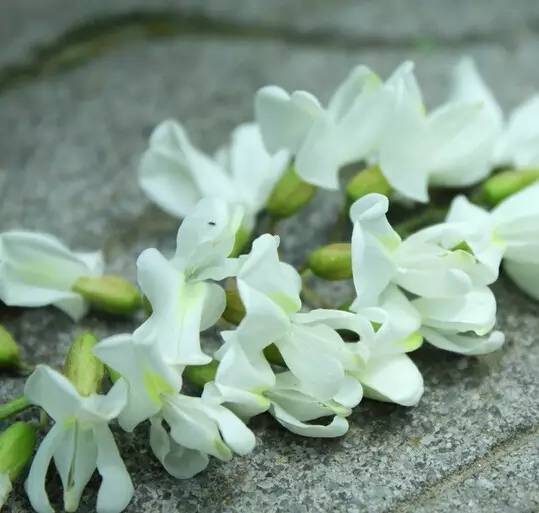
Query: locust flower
x=79, y=442
x=176, y=175
x=184, y=301
x=449, y=147
x=510, y=232
x=37, y=269
x=517, y=144
x=195, y=427
x=348, y=130
x=446, y=286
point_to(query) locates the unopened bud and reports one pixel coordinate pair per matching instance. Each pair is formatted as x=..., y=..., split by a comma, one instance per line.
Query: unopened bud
x=332, y=262
x=234, y=311
x=507, y=183
x=82, y=367
x=17, y=445
x=289, y=195
x=10, y=354
x=199, y=375
x=242, y=238
x=112, y=294
x=366, y=181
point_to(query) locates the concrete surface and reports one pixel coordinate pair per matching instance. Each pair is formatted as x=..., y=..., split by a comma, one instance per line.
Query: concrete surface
x=73, y=123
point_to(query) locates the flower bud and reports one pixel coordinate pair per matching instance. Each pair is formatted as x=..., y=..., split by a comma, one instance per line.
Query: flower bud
x=199, y=375
x=273, y=355
x=332, y=262
x=366, y=181
x=112, y=294
x=17, y=445
x=82, y=367
x=234, y=311
x=506, y=183
x=289, y=195
x=10, y=354
x=242, y=238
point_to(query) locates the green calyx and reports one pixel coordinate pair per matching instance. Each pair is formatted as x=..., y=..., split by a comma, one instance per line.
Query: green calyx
x=507, y=183
x=82, y=367
x=366, y=181
x=17, y=445
x=112, y=294
x=289, y=195
x=10, y=353
x=234, y=311
x=240, y=242
x=332, y=262
x=199, y=375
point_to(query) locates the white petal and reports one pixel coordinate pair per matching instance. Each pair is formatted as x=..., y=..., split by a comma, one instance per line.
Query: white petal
x=5, y=488
x=474, y=311
x=53, y=392
x=213, y=307
x=254, y=170
x=313, y=354
x=467, y=344
x=75, y=460
x=525, y=275
x=262, y=270
x=350, y=393
x=337, y=427
x=206, y=237
x=285, y=119
x=35, y=483
x=373, y=245
x=394, y=379
x=178, y=461
x=145, y=372
x=116, y=489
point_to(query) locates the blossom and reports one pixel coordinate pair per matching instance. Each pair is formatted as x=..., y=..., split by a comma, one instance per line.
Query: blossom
x=79, y=441
x=37, y=269
x=445, y=286
x=198, y=427
x=347, y=131
x=510, y=231
x=183, y=300
x=517, y=142
x=176, y=175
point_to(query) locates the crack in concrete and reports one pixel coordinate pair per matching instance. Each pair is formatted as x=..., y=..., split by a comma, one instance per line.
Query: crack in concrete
x=92, y=38
x=454, y=478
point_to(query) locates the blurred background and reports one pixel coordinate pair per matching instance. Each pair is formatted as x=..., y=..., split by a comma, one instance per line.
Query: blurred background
x=82, y=85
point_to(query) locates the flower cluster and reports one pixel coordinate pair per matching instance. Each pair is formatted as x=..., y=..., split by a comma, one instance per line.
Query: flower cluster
x=305, y=364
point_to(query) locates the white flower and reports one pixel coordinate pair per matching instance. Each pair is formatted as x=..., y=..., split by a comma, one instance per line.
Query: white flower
x=79, y=441
x=510, y=231
x=36, y=269
x=198, y=426
x=176, y=175
x=347, y=131
x=518, y=137
x=184, y=302
x=448, y=147
x=447, y=286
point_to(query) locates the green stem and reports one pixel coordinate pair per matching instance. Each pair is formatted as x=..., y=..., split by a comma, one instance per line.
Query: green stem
x=14, y=407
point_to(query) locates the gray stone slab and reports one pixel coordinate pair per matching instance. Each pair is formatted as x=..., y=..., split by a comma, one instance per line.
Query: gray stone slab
x=70, y=144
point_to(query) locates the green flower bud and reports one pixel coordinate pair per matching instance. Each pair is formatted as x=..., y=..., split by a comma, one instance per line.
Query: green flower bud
x=82, y=367
x=234, y=311
x=242, y=238
x=506, y=183
x=289, y=195
x=332, y=262
x=10, y=354
x=199, y=375
x=112, y=294
x=13, y=407
x=17, y=445
x=366, y=181
x=273, y=355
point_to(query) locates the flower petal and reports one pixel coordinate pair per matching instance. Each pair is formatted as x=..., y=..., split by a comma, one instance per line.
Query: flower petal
x=463, y=343
x=393, y=379
x=525, y=275
x=116, y=489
